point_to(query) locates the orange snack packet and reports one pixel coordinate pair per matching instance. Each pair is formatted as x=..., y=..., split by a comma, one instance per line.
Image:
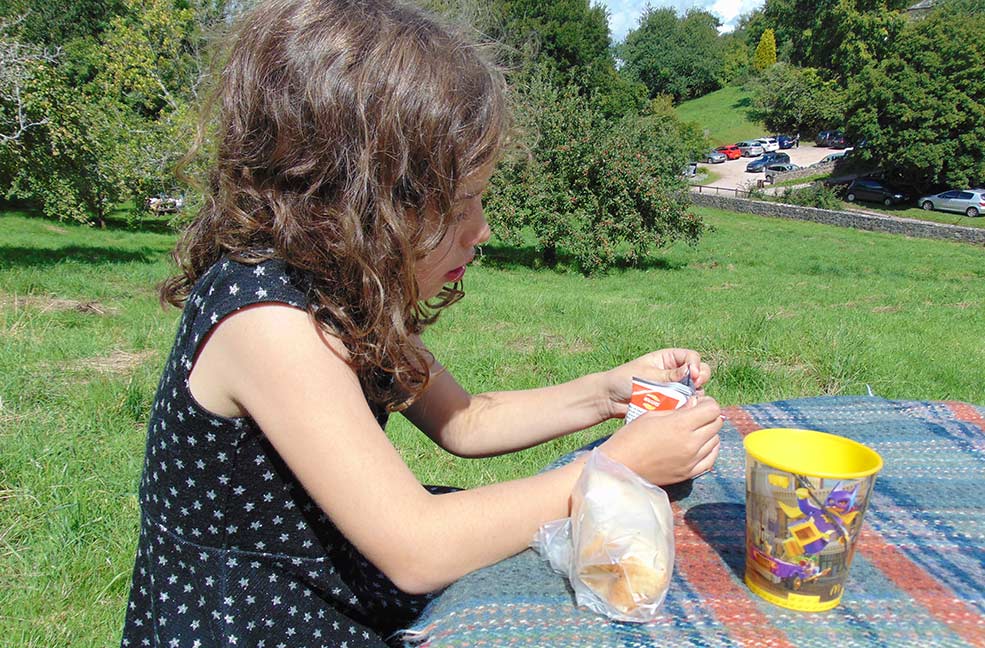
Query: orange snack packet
x=649, y=396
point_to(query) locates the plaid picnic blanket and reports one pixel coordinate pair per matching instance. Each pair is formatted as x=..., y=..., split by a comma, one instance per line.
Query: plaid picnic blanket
x=918, y=578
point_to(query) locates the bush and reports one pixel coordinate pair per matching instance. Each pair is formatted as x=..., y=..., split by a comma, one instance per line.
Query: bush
x=817, y=195
x=599, y=189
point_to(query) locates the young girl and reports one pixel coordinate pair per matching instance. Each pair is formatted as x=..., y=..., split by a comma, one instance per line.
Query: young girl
x=355, y=140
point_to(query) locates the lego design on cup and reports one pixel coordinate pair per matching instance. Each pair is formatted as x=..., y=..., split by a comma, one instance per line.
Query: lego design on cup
x=801, y=534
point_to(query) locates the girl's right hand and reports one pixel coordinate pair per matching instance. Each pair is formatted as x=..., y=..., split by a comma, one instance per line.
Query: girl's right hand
x=666, y=448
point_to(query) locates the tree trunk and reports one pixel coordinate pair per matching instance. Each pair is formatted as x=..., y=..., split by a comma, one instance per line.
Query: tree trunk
x=550, y=256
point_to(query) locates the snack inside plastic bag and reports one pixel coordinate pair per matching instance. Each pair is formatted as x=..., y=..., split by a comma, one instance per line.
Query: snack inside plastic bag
x=617, y=548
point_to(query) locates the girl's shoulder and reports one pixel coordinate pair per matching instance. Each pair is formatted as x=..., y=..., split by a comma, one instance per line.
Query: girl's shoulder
x=231, y=284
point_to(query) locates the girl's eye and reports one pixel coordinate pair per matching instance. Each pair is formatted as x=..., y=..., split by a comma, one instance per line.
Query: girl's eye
x=459, y=217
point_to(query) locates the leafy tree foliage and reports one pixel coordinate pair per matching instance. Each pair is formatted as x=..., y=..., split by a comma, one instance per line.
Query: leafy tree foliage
x=921, y=111
x=789, y=99
x=736, y=61
x=681, y=56
x=593, y=187
x=56, y=22
x=765, y=55
x=841, y=37
x=108, y=112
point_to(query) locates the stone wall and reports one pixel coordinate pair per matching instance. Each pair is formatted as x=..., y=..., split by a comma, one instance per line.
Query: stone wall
x=857, y=220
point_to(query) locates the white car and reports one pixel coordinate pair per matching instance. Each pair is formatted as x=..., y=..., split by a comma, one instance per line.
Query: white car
x=769, y=144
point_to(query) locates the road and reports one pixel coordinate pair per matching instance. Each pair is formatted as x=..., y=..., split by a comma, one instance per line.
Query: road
x=734, y=175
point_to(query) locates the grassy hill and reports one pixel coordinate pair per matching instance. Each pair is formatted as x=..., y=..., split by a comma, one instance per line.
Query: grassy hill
x=724, y=115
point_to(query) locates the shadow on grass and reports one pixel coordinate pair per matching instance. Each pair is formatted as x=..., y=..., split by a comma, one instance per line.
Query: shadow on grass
x=505, y=257
x=24, y=257
x=118, y=220
x=723, y=527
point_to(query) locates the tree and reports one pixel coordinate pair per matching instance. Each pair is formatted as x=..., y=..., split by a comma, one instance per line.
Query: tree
x=681, y=56
x=838, y=37
x=790, y=99
x=921, y=111
x=765, y=56
x=106, y=115
x=735, y=60
x=591, y=186
x=20, y=63
x=55, y=22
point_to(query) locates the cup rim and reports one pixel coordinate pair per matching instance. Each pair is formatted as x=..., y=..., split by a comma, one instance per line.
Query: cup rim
x=754, y=443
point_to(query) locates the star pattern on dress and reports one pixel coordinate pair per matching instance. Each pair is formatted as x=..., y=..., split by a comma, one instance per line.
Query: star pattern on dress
x=232, y=550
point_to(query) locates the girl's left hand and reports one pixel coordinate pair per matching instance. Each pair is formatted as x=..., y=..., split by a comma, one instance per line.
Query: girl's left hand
x=666, y=365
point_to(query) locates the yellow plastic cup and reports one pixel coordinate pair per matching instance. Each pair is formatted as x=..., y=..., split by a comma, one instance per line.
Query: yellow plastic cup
x=806, y=494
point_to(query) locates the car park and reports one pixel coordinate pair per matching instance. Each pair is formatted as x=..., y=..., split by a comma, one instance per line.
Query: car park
x=731, y=151
x=772, y=170
x=874, y=191
x=970, y=202
x=750, y=148
x=715, y=157
x=769, y=144
x=767, y=159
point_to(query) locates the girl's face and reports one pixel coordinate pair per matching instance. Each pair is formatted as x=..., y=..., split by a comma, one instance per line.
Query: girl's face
x=446, y=263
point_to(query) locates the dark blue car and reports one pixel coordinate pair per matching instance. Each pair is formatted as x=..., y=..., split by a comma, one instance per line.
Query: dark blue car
x=787, y=141
x=766, y=159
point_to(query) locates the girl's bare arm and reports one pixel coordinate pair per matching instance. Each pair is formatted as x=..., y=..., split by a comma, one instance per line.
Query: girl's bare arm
x=498, y=422
x=274, y=365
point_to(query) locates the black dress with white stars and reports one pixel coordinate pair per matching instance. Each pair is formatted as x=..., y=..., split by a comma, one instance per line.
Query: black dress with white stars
x=232, y=550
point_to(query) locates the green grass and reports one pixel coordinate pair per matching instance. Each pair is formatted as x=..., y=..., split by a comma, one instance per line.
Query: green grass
x=781, y=309
x=723, y=115
x=706, y=176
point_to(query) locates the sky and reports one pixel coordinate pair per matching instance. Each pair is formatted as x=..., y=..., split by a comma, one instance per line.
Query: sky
x=625, y=14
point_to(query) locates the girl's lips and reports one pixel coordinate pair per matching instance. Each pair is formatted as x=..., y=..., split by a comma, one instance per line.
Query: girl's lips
x=456, y=274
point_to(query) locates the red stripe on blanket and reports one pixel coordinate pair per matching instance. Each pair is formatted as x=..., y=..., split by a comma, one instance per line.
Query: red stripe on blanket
x=741, y=420
x=941, y=602
x=967, y=413
x=730, y=602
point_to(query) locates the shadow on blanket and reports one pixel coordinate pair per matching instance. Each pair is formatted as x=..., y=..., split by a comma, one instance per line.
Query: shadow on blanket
x=723, y=527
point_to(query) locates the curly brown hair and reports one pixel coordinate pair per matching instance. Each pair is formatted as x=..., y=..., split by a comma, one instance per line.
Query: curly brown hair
x=344, y=128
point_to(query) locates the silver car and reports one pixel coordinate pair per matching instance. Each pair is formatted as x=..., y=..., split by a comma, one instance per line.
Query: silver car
x=715, y=157
x=970, y=202
x=750, y=148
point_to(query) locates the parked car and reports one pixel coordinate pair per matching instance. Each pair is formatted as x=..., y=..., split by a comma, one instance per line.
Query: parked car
x=164, y=204
x=767, y=159
x=824, y=137
x=772, y=170
x=874, y=191
x=769, y=144
x=787, y=141
x=731, y=151
x=750, y=148
x=833, y=157
x=715, y=157
x=837, y=141
x=971, y=202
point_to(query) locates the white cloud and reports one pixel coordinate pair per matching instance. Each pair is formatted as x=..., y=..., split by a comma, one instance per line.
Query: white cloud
x=624, y=15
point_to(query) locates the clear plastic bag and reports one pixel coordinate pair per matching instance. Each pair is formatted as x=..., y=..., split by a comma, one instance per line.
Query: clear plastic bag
x=617, y=548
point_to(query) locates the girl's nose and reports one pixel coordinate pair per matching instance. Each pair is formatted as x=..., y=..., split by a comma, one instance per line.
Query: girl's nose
x=478, y=231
